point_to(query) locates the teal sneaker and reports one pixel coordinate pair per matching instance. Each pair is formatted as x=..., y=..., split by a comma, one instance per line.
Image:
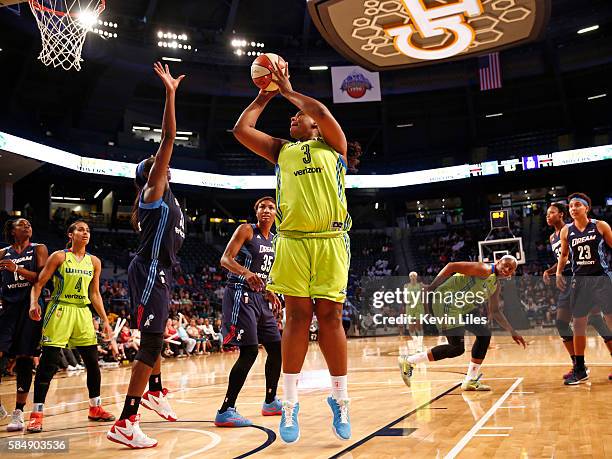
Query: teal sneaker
x=231, y=418
x=274, y=408
x=342, y=422
x=289, y=428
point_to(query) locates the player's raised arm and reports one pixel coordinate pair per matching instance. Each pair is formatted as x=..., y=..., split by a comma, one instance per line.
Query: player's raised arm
x=156, y=182
x=248, y=135
x=330, y=129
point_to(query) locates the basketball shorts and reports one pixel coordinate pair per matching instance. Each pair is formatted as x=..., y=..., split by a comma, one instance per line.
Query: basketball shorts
x=149, y=288
x=66, y=325
x=19, y=335
x=590, y=292
x=449, y=315
x=248, y=318
x=311, y=267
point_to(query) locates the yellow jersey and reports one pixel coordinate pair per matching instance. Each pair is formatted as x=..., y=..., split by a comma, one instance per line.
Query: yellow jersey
x=71, y=280
x=310, y=197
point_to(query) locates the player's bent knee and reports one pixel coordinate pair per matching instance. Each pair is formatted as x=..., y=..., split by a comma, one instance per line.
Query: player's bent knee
x=49, y=363
x=151, y=345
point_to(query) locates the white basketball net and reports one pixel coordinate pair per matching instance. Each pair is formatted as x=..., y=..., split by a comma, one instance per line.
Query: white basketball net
x=63, y=25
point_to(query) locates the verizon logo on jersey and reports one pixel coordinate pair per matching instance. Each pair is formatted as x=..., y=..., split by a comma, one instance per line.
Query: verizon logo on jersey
x=308, y=170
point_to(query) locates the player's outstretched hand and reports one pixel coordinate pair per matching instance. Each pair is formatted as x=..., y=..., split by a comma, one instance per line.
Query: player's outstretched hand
x=254, y=281
x=35, y=312
x=560, y=281
x=163, y=72
x=518, y=339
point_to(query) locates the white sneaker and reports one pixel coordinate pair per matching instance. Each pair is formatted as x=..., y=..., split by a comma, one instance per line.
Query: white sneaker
x=16, y=423
x=158, y=402
x=80, y=367
x=71, y=368
x=127, y=432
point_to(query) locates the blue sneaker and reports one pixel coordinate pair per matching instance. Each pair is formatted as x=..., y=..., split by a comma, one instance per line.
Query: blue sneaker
x=231, y=418
x=342, y=423
x=289, y=428
x=274, y=408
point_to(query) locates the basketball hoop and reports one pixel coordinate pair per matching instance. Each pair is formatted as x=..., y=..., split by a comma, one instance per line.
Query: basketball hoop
x=63, y=25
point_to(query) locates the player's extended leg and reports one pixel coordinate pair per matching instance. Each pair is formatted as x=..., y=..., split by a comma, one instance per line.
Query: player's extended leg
x=332, y=342
x=479, y=352
x=227, y=416
x=49, y=362
x=293, y=349
x=454, y=348
x=89, y=354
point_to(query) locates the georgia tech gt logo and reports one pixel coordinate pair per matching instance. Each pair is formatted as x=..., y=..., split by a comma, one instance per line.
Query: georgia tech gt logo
x=433, y=22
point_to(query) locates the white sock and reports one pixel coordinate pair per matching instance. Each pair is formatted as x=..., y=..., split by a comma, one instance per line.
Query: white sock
x=418, y=358
x=290, y=390
x=339, y=387
x=472, y=372
x=96, y=401
x=38, y=407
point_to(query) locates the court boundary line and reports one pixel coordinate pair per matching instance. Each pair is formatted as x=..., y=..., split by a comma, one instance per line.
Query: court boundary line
x=392, y=423
x=481, y=422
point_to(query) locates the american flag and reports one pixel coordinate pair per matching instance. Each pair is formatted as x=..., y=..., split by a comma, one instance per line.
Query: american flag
x=489, y=71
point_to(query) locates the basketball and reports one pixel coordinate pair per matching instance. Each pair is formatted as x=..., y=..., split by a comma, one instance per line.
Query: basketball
x=261, y=71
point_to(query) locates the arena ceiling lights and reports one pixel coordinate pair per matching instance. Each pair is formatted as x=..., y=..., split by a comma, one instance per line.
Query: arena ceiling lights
x=243, y=47
x=172, y=40
x=393, y=34
x=40, y=152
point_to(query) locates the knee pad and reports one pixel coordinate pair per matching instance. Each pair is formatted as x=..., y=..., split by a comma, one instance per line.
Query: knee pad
x=23, y=368
x=481, y=346
x=150, y=348
x=565, y=331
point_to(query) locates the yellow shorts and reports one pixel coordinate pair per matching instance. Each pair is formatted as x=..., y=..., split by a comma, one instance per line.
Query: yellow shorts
x=311, y=267
x=68, y=326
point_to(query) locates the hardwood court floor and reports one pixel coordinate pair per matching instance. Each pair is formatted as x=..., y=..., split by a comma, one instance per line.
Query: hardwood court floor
x=529, y=413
